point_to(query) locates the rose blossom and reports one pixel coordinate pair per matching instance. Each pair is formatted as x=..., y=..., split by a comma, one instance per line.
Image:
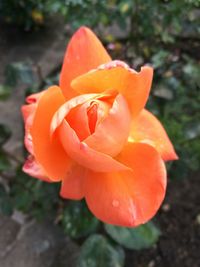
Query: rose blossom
x=94, y=136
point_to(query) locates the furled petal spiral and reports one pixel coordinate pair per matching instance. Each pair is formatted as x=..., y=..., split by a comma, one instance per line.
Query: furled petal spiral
x=112, y=133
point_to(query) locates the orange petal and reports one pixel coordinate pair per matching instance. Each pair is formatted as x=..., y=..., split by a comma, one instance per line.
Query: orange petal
x=28, y=112
x=134, y=86
x=84, y=52
x=78, y=120
x=48, y=151
x=128, y=198
x=32, y=168
x=146, y=128
x=64, y=109
x=34, y=98
x=72, y=185
x=111, y=134
x=83, y=154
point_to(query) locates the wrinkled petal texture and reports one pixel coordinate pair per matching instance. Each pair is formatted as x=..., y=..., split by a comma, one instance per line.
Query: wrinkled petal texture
x=84, y=52
x=128, y=198
x=146, y=128
x=49, y=151
x=116, y=75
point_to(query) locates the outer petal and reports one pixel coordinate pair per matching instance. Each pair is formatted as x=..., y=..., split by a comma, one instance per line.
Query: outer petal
x=34, y=98
x=146, y=128
x=84, y=52
x=83, y=154
x=28, y=112
x=49, y=151
x=112, y=133
x=134, y=86
x=72, y=185
x=128, y=198
x=32, y=168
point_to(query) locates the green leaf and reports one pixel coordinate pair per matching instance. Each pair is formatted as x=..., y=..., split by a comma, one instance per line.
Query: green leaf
x=138, y=238
x=78, y=221
x=97, y=252
x=5, y=134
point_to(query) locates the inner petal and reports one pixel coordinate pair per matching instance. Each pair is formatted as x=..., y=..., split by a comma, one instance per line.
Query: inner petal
x=107, y=138
x=92, y=116
x=84, y=118
x=78, y=121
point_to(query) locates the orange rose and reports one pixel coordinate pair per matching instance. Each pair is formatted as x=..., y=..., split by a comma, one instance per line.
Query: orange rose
x=93, y=134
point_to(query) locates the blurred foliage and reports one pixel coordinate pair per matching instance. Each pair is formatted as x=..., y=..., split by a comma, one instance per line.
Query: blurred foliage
x=5, y=202
x=5, y=91
x=24, y=13
x=175, y=100
x=77, y=220
x=154, y=18
x=19, y=72
x=137, y=238
x=4, y=162
x=35, y=197
x=143, y=19
x=163, y=33
x=96, y=251
x=5, y=134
